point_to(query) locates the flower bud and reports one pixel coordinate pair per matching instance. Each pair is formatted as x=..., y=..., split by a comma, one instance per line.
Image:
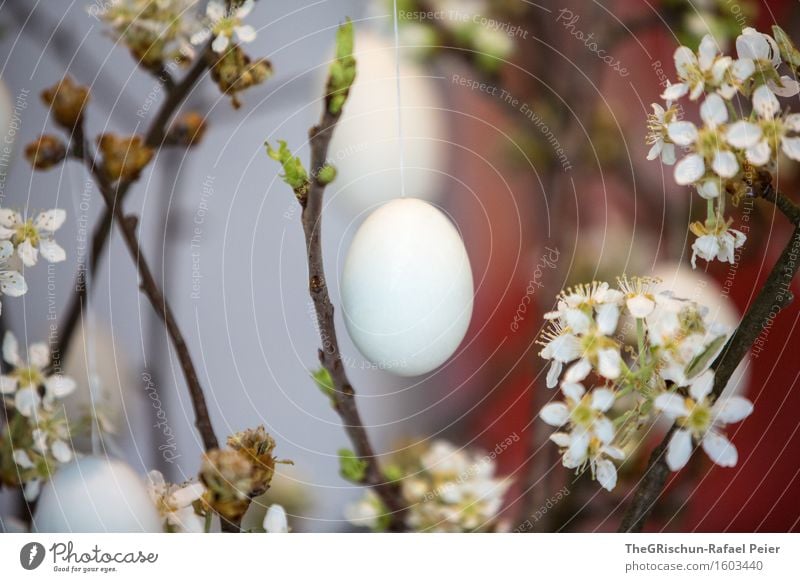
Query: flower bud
x=66, y=100
x=123, y=157
x=45, y=152
x=187, y=130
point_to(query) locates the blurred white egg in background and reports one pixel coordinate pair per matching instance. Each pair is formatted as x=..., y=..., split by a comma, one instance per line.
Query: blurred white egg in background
x=365, y=147
x=96, y=494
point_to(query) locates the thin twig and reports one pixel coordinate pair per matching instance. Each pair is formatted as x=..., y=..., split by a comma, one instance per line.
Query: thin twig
x=330, y=358
x=773, y=297
x=127, y=225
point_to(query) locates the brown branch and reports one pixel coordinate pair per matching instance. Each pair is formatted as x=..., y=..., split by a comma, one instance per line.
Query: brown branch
x=331, y=359
x=773, y=297
x=154, y=138
x=127, y=225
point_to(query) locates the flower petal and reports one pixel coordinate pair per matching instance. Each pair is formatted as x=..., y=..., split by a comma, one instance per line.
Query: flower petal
x=604, y=430
x=52, y=251
x=61, y=451
x=39, y=355
x=26, y=401
x=765, y=103
x=640, y=306
x=788, y=87
x=791, y=147
x=743, y=134
x=732, y=409
x=671, y=404
x=679, y=449
x=702, y=385
x=579, y=444
x=245, y=33
x=759, y=154
x=683, y=133
x=578, y=371
x=220, y=44
x=50, y=220
x=607, y=318
x=22, y=459
x=28, y=253
x=602, y=399
x=555, y=414
x=689, y=170
x=725, y=164
x=275, y=520
x=606, y=474
x=719, y=449
x=11, y=350
x=573, y=390
x=553, y=373
x=713, y=111
x=609, y=363
x=12, y=283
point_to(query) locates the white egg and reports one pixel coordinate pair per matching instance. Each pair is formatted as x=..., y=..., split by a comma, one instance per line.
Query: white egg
x=407, y=287
x=365, y=147
x=96, y=494
x=693, y=284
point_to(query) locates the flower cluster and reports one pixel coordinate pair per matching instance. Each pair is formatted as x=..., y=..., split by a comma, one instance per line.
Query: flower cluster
x=667, y=370
x=37, y=433
x=446, y=489
x=155, y=31
x=724, y=153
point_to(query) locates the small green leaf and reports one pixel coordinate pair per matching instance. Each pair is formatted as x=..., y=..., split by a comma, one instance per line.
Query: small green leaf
x=351, y=467
x=788, y=51
x=392, y=473
x=701, y=361
x=342, y=72
x=324, y=382
x=294, y=174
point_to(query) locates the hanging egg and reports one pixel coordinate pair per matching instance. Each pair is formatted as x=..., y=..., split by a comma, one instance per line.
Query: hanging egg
x=96, y=494
x=407, y=288
x=365, y=147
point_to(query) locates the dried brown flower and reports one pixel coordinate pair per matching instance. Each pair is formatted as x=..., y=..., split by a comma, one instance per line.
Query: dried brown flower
x=45, y=152
x=234, y=71
x=187, y=130
x=123, y=157
x=67, y=100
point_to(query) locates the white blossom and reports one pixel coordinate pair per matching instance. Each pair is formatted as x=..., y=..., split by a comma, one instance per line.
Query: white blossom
x=225, y=25
x=700, y=421
x=446, y=489
x=591, y=432
x=761, y=49
x=582, y=325
x=174, y=503
x=26, y=378
x=657, y=136
x=32, y=237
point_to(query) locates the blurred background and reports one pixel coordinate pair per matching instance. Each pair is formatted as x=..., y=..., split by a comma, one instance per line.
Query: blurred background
x=525, y=122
